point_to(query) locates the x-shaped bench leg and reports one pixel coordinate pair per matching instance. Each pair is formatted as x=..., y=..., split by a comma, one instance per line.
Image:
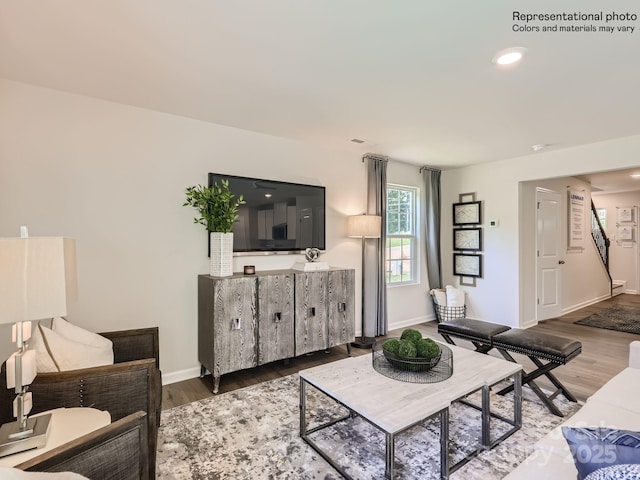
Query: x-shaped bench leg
x=529, y=379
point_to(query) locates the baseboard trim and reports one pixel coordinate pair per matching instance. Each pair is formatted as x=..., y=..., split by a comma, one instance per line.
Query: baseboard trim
x=410, y=322
x=181, y=375
x=584, y=304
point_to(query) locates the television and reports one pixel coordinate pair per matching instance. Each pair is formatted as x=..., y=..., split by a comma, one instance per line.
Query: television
x=278, y=217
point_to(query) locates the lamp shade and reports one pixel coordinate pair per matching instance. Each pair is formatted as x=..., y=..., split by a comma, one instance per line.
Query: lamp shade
x=368, y=226
x=37, y=277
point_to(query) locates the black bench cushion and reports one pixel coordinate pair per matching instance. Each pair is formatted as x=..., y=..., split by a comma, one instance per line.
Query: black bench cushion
x=541, y=345
x=472, y=329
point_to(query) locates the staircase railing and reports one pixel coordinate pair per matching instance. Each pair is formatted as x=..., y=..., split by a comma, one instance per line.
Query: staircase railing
x=600, y=238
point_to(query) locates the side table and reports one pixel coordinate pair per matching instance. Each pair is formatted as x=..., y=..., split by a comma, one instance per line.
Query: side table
x=66, y=424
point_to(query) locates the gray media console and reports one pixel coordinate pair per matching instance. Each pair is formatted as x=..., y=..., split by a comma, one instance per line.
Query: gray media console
x=249, y=320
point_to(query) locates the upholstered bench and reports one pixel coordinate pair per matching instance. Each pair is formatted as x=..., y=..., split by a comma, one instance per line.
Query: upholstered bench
x=539, y=347
x=477, y=332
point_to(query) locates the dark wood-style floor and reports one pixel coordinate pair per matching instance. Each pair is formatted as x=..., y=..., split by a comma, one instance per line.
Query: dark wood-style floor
x=604, y=354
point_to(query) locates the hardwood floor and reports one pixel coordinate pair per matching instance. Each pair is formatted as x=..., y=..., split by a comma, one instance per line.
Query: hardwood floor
x=604, y=354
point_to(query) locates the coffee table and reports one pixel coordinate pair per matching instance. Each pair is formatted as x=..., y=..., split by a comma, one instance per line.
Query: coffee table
x=394, y=406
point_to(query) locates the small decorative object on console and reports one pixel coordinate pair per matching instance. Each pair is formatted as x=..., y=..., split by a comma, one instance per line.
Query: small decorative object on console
x=311, y=265
x=249, y=269
x=311, y=254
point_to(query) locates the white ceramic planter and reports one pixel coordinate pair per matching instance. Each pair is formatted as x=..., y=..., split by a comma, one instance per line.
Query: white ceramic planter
x=221, y=254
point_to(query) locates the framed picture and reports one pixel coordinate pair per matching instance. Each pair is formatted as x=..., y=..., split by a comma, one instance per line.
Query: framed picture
x=466, y=213
x=468, y=281
x=467, y=264
x=625, y=214
x=467, y=239
x=625, y=233
x=467, y=197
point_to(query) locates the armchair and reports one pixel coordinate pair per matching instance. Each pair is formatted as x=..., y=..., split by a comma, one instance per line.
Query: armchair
x=115, y=452
x=131, y=384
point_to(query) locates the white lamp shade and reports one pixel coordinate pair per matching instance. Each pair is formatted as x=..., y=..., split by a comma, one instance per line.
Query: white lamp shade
x=368, y=226
x=37, y=277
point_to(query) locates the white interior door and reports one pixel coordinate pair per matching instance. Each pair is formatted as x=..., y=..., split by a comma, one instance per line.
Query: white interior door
x=549, y=260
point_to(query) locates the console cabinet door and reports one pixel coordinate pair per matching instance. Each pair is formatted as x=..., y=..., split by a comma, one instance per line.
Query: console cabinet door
x=341, y=306
x=275, y=318
x=311, y=312
x=234, y=325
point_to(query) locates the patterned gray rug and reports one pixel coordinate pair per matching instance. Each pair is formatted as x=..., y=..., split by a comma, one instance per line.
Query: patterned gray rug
x=253, y=433
x=617, y=317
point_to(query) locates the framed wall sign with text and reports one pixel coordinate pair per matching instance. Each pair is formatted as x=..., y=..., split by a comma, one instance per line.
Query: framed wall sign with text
x=467, y=265
x=466, y=213
x=467, y=239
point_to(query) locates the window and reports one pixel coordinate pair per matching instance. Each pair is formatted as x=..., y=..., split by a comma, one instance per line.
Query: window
x=401, y=248
x=602, y=216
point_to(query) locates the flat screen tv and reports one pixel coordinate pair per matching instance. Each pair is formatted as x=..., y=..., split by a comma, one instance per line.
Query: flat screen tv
x=278, y=217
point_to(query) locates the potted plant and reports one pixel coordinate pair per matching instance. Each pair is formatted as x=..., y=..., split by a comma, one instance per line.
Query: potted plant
x=218, y=209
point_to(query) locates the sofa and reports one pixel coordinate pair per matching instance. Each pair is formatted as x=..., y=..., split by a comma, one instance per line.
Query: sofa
x=614, y=405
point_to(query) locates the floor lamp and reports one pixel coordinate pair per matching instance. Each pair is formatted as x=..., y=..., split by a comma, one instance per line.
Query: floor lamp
x=37, y=277
x=364, y=226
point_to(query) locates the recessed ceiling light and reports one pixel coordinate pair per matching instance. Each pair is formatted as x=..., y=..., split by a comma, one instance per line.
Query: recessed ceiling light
x=635, y=175
x=268, y=195
x=509, y=56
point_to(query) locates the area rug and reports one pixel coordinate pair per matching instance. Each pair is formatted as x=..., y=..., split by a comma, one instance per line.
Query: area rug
x=617, y=317
x=253, y=433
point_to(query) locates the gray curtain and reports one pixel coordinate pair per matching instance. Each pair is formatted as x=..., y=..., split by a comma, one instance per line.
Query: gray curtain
x=375, y=283
x=432, y=226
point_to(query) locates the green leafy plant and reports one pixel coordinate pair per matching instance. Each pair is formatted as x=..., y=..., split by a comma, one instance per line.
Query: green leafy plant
x=217, y=205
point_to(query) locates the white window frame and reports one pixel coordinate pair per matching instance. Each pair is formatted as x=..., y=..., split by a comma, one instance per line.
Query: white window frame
x=413, y=238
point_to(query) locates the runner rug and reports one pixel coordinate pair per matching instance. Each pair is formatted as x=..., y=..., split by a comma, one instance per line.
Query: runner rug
x=253, y=433
x=617, y=317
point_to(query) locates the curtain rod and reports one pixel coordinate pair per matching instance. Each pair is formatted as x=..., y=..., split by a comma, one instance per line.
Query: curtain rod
x=383, y=157
x=374, y=156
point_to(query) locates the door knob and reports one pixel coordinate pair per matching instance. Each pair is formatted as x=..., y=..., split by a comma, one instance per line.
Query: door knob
x=561, y=262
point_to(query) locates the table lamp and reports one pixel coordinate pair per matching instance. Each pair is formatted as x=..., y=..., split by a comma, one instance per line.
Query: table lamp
x=37, y=278
x=364, y=226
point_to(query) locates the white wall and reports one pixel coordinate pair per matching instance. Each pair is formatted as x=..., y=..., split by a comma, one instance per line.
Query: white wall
x=497, y=295
x=113, y=177
x=623, y=256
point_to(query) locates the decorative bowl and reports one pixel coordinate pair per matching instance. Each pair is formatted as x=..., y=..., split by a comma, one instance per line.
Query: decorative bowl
x=412, y=364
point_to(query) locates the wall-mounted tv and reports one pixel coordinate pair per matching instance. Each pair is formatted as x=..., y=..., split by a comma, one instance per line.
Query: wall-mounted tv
x=278, y=217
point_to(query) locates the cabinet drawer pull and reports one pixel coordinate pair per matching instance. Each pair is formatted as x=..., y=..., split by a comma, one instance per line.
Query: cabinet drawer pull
x=277, y=317
x=342, y=307
x=311, y=312
x=236, y=324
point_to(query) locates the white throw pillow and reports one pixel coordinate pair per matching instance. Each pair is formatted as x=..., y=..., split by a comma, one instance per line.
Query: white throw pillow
x=455, y=296
x=77, y=334
x=71, y=355
x=44, y=362
x=440, y=296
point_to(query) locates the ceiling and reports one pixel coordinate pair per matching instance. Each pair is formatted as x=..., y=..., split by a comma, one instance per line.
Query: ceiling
x=413, y=79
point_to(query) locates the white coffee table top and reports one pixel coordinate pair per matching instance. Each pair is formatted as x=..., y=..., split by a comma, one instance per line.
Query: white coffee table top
x=394, y=405
x=66, y=424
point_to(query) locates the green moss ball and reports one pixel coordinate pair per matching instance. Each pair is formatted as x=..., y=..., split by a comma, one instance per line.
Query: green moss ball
x=392, y=346
x=407, y=349
x=427, y=348
x=411, y=335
